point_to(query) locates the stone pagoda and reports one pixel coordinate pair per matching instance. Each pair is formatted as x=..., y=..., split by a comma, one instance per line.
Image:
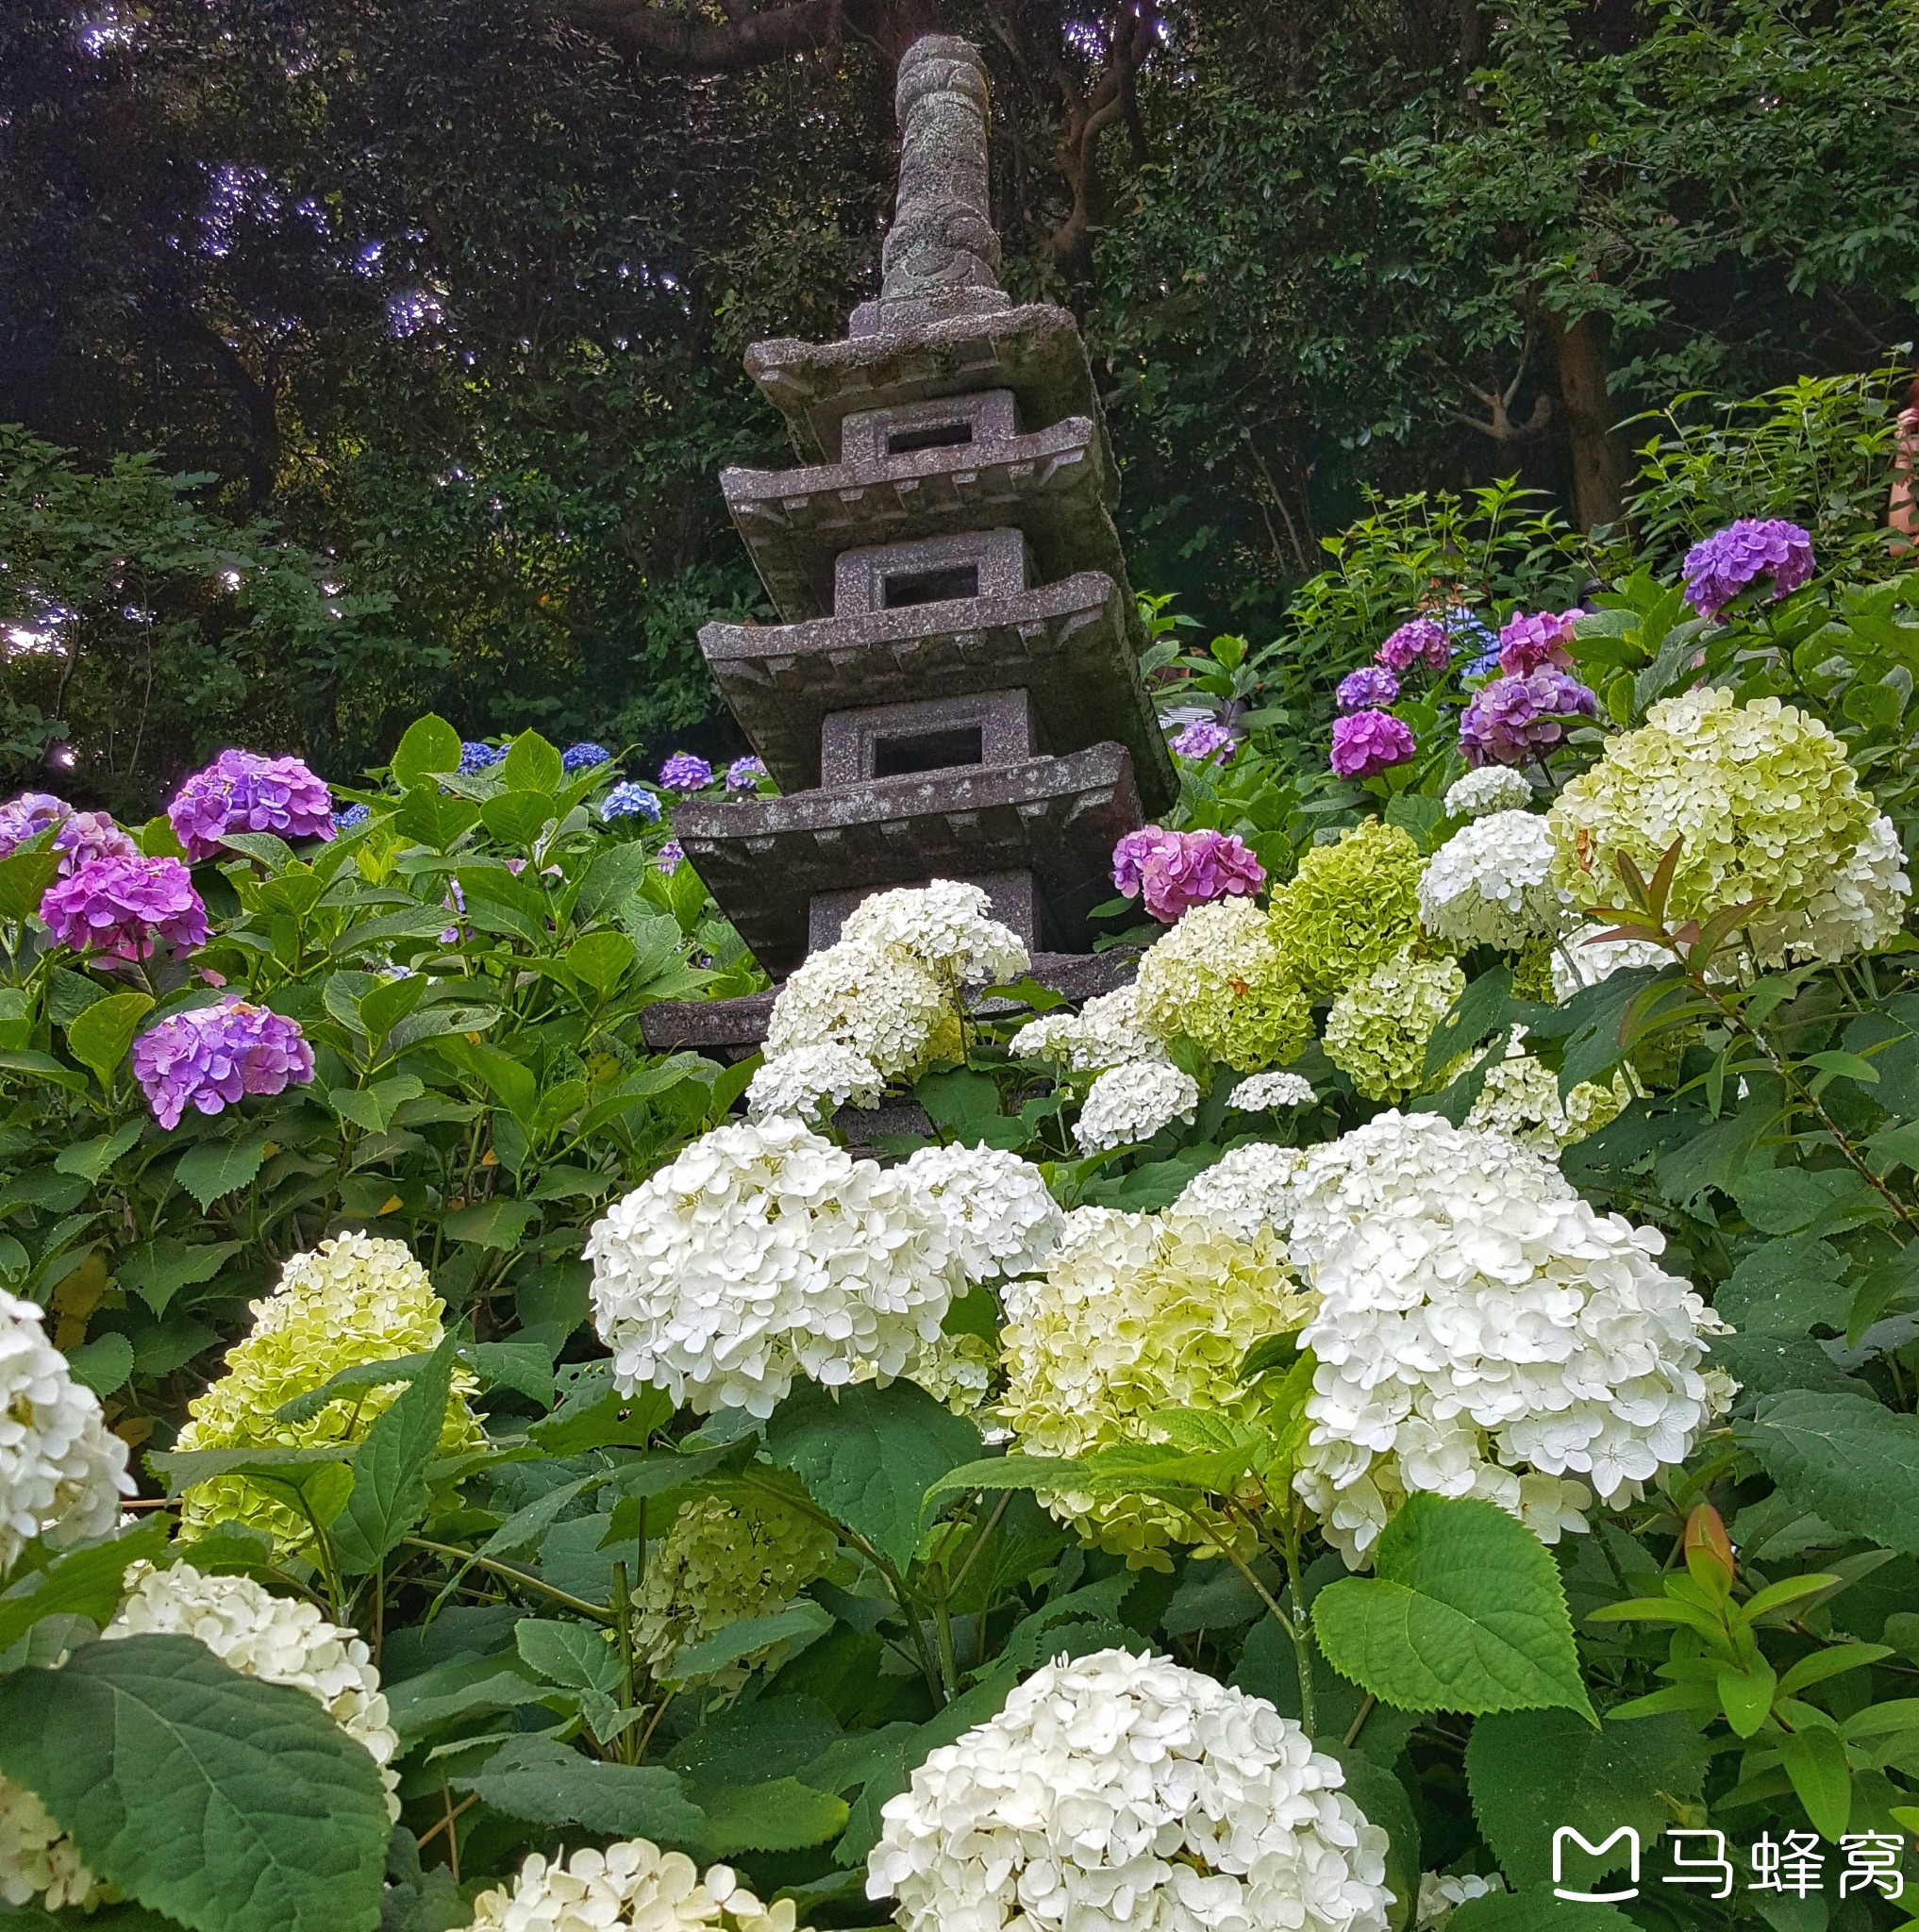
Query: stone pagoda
x=954, y=688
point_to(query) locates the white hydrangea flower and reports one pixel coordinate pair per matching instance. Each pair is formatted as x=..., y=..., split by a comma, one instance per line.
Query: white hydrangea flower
x=1860, y=910
x=1247, y=1188
x=807, y=1081
x=62, y=1472
x=629, y=1887
x=1521, y=1099
x=995, y=1207
x=1482, y=1331
x=1578, y=962
x=278, y=1640
x=947, y=925
x=1491, y=788
x=1106, y=1032
x=1442, y=1893
x=1491, y=883
x=1266, y=1092
x=1132, y=1104
x=881, y=1002
x=38, y=1862
x=1120, y=1791
x=763, y=1251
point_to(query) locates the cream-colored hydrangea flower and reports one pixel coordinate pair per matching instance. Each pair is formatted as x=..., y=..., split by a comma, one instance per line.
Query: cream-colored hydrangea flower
x=354, y=1299
x=721, y=1562
x=1127, y=1105
x=807, y=1081
x=881, y=1002
x=1264, y=1092
x=1491, y=788
x=1578, y=961
x=1353, y=905
x=1766, y=807
x=1376, y=1030
x=62, y=1472
x=1247, y=1188
x=1490, y=884
x=962, y=1371
x=1120, y=1792
x=630, y=1886
x=946, y=925
x=1106, y=1032
x=1483, y=1332
x=38, y=1862
x=1442, y=1893
x=278, y=1640
x=1521, y=1099
x=1137, y=1313
x=1221, y=979
x=997, y=1209
x=762, y=1252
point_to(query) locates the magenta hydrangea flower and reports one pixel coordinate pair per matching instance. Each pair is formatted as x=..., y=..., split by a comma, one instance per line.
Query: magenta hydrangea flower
x=126, y=907
x=210, y=1057
x=1370, y=685
x=1729, y=559
x=240, y=791
x=1205, y=738
x=1513, y=720
x=23, y=819
x=686, y=771
x=1527, y=642
x=1187, y=869
x=1424, y=639
x=1135, y=852
x=84, y=836
x=1368, y=742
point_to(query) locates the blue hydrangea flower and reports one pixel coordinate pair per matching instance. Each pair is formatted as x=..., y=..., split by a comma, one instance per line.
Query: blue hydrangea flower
x=577, y=757
x=353, y=815
x=475, y=757
x=628, y=800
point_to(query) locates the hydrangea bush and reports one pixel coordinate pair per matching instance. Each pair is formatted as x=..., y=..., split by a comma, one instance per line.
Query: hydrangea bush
x=1425, y=1358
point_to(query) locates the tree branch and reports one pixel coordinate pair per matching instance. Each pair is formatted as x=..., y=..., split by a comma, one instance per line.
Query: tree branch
x=751, y=37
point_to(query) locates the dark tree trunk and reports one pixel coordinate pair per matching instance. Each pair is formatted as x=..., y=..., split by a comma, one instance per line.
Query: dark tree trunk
x=1596, y=456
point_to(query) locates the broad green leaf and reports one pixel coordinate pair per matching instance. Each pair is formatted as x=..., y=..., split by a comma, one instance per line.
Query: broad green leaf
x=99, y=1038
x=869, y=1456
x=103, y=1364
x=24, y=879
x=230, y=1804
x=526, y=1527
x=531, y=764
x=1530, y=1771
x=1786, y=1287
x=352, y=1380
x=578, y=1655
x=772, y=1737
x=539, y=1779
x=1476, y=1011
x=523, y=1366
x=390, y=1466
x=1466, y=1612
x=430, y=817
x=429, y=746
x=460, y=1688
x=1843, y=1457
x=1814, y=1759
x=268, y=848
x=385, y=1004
x=783, y=1815
x=600, y=960
x=215, y=1169
x=497, y=1224
x=89, y=1160
x=804, y=1618
x=1599, y=1016
x=517, y=818
x=156, y=1271
x=85, y=1583
x=1536, y=1910
x=182, y=1468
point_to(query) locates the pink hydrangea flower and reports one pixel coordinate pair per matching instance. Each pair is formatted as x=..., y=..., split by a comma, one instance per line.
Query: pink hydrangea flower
x=1424, y=639
x=1729, y=559
x=240, y=791
x=209, y=1058
x=126, y=907
x=1368, y=742
x=1178, y=870
x=1525, y=642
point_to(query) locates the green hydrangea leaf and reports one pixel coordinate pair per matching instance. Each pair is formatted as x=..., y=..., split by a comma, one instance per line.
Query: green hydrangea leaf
x=537, y=1778
x=1843, y=1457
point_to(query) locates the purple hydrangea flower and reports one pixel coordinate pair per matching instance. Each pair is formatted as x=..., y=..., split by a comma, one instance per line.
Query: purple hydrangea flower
x=743, y=774
x=1525, y=642
x=686, y=771
x=1425, y=638
x=1205, y=738
x=1729, y=559
x=84, y=836
x=352, y=818
x=1368, y=742
x=669, y=856
x=240, y=791
x=475, y=755
x=627, y=800
x=1178, y=870
x=124, y=906
x=1512, y=720
x=212, y=1055
x=23, y=819
x=581, y=756
x=1370, y=685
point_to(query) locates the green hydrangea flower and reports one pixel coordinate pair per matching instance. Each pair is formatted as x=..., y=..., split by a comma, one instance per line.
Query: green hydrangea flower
x=1220, y=978
x=1138, y=1313
x=1379, y=1026
x=1766, y=807
x=354, y=1299
x=1351, y=905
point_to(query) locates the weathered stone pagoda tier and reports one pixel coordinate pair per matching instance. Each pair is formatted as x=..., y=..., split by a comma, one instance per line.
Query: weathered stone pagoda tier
x=954, y=689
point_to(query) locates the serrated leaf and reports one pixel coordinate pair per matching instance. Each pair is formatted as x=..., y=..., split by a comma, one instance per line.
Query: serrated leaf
x=90, y=1159
x=390, y=1466
x=539, y=1779
x=869, y=1456
x=85, y=1583
x=497, y=1224
x=783, y=1815
x=1466, y=1612
x=804, y=1618
x=1471, y=1017
x=230, y=1804
x=103, y=1364
x=156, y=1271
x=575, y=1654
x=1843, y=1457
x=99, y=1037
x=429, y=746
x=215, y=1169
x=1536, y=1910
